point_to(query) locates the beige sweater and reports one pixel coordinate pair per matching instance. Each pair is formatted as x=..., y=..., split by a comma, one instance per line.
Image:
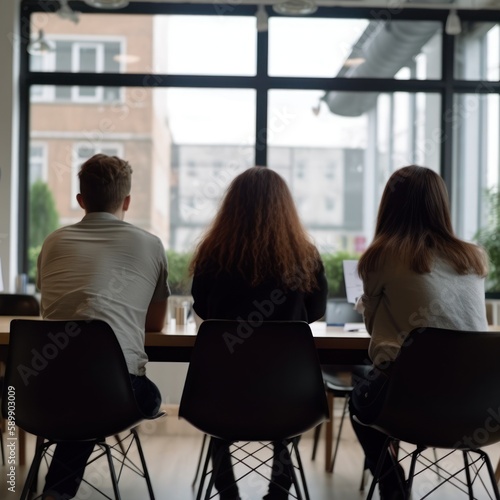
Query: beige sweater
x=397, y=300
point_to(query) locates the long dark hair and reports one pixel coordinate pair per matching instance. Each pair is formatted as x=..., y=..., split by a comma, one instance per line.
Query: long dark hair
x=258, y=233
x=414, y=224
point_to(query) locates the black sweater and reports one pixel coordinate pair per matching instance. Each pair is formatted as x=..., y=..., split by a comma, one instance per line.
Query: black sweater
x=229, y=296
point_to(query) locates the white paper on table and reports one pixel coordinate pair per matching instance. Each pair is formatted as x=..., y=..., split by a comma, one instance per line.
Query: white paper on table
x=353, y=283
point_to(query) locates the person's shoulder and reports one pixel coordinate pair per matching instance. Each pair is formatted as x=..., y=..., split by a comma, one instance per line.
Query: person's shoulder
x=60, y=232
x=142, y=236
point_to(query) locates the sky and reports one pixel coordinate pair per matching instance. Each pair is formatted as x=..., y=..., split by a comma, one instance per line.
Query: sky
x=228, y=116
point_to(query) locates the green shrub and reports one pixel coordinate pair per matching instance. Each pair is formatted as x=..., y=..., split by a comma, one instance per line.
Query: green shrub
x=335, y=273
x=489, y=238
x=178, y=272
x=180, y=281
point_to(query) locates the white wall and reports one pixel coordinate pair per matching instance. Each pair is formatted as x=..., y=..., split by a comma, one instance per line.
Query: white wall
x=9, y=125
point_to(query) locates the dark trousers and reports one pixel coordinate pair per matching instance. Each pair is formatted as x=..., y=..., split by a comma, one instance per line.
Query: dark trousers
x=366, y=403
x=225, y=482
x=70, y=458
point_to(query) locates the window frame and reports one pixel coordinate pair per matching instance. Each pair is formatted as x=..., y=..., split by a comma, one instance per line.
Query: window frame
x=447, y=87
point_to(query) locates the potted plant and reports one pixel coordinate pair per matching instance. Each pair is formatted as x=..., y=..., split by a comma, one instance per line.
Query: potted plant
x=489, y=238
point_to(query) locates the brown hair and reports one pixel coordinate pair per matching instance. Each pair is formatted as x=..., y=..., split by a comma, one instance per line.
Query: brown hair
x=258, y=233
x=105, y=181
x=414, y=224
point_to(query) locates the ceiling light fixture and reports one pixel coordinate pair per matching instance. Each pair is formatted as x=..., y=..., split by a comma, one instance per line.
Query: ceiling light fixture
x=295, y=7
x=39, y=46
x=262, y=18
x=107, y=4
x=453, y=24
x=66, y=12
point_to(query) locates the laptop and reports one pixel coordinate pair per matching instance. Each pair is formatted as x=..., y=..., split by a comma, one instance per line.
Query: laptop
x=340, y=312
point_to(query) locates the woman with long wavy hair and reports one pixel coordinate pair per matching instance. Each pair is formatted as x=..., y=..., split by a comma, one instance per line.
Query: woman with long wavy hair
x=256, y=261
x=416, y=273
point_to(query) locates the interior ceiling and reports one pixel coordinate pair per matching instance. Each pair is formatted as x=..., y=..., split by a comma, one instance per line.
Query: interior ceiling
x=394, y=5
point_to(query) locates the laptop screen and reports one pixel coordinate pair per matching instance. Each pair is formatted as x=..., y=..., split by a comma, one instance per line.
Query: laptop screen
x=353, y=283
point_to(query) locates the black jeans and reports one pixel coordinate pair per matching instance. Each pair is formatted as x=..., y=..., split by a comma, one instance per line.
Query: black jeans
x=70, y=458
x=366, y=402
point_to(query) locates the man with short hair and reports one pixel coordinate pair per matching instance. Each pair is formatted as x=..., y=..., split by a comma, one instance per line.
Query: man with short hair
x=104, y=268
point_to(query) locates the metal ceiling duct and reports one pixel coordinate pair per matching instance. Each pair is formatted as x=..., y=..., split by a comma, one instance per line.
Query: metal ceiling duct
x=385, y=48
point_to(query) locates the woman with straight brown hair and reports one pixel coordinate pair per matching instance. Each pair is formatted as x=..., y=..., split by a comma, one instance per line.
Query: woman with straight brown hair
x=416, y=273
x=254, y=263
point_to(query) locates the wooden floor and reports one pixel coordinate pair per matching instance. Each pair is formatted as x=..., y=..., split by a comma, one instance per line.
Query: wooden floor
x=172, y=449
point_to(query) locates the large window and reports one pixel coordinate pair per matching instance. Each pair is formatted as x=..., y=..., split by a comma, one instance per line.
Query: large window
x=191, y=97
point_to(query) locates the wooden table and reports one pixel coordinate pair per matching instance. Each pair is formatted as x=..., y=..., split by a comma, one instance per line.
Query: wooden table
x=174, y=344
x=334, y=345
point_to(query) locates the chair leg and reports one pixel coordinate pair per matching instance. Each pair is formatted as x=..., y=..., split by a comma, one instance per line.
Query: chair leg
x=120, y=444
x=378, y=469
x=33, y=472
x=317, y=433
x=200, y=459
x=205, y=469
x=329, y=431
x=467, y=474
x=293, y=475
x=497, y=471
x=34, y=484
x=339, y=433
x=215, y=471
x=491, y=473
x=411, y=473
x=111, y=470
x=143, y=462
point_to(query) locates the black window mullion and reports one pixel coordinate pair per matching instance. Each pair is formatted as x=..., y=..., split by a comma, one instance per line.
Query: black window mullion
x=262, y=99
x=24, y=144
x=448, y=55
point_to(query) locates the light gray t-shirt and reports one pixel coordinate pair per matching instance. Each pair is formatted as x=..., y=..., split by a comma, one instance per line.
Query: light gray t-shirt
x=397, y=300
x=108, y=269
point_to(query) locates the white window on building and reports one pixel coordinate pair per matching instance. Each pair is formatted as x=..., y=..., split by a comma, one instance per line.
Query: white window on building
x=330, y=171
x=37, y=163
x=81, y=153
x=79, y=56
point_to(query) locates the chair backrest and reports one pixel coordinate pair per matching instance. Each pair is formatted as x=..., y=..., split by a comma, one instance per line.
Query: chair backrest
x=444, y=390
x=254, y=382
x=15, y=304
x=68, y=379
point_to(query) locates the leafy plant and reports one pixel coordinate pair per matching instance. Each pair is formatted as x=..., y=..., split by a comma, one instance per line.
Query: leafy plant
x=33, y=253
x=180, y=281
x=489, y=238
x=178, y=272
x=43, y=213
x=43, y=220
x=335, y=273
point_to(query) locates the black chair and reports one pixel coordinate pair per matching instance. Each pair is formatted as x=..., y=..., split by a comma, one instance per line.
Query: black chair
x=337, y=381
x=337, y=385
x=15, y=305
x=443, y=392
x=77, y=389
x=254, y=383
